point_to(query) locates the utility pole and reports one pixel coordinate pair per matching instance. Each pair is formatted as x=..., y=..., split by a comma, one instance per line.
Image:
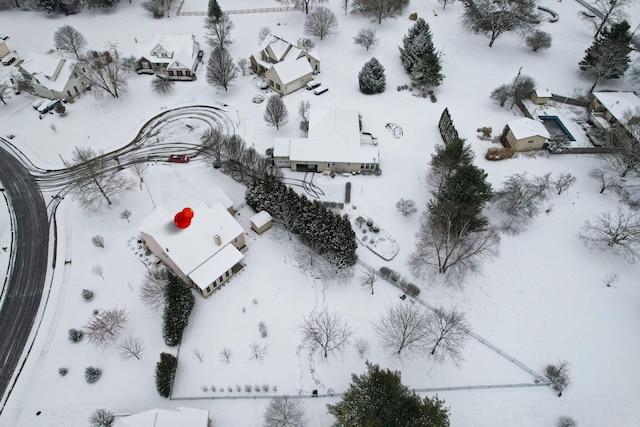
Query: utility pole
x=513, y=86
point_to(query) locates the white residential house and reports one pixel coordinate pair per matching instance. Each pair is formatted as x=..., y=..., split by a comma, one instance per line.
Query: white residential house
x=53, y=76
x=615, y=110
x=286, y=67
x=334, y=143
x=174, y=57
x=181, y=417
x=205, y=252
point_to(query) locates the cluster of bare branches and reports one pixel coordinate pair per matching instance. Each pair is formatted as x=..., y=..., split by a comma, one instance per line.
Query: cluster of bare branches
x=105, y=327
x=616, y=231
x=325, y=332
x=520, y=200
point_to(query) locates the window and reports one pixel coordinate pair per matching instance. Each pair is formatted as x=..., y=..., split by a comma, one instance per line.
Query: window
x=75, y=74
x=235, y=240
x=74, y=88
x=278, y=86
x=530, y=141
x=69, y=93
x=208, y=288
x=271, y=82
x=226, y=274
x=220, y=279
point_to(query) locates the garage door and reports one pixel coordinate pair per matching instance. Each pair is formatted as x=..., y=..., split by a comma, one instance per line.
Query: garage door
x=292, y=87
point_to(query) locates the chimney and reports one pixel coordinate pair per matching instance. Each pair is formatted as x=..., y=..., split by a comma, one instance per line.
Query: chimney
x=217, y=239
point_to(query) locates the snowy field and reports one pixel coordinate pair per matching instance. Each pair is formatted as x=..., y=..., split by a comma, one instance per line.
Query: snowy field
x=542, y=300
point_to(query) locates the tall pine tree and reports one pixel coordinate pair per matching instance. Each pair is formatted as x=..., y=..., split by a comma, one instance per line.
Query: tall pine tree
x=419, y=56
x=372, y=78
x=608, y=56
x=214, y=11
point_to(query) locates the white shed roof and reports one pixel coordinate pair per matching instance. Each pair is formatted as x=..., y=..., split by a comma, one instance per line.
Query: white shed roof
x=261, y=218
x=183, y=417
x=526, y=128
x=542, y=93
x=618, y=103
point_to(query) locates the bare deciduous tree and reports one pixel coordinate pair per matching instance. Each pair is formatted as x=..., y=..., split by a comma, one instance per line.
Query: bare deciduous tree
x=610, y=10
x=104, y=328
x=221, y=70
x=444, y=3
x=101, y=418
x=139, y=170
x=368, y=279
x=304, y=5
x=558, y=375
x=225, y=355
x=403, y=328
x=198, y=354
x=243, y=65
x=448, y=331
x=131, y=347
x=97, y=270
x=378, y=9
x=125, y=214
x=153, y=286
x=494, y=18
x=5, y=92
x=98, y=241
x=344, y=4
x=325, y=331
x=283, y=411
x=538, y=40
x=520, y=199
x=619, y=232
x=219, y=31
x=275, y=113
x=366, y=38
x=162, y=85
x=451, y=250
x=406, y=206
x=258, y=351
x=564, y=182
x=105, y=70
x=263, y=32
x=303, y=112
x=95, y=183
x=70, y=40
x=605, y=180
x=321, y=22
x=362, y=347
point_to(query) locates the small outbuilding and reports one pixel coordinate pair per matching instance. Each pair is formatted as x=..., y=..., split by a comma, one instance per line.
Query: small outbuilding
x=525, y=134
x=540, y=96
x=4, y=49
x=261, y=222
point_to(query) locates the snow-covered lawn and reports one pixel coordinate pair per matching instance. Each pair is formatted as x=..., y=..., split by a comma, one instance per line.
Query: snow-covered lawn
x=542, y=300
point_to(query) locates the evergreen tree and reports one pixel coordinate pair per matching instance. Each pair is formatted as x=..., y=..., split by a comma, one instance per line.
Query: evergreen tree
x=214, y=11
x=608, y=56
x=178, y=303
x=372, y=78
x=427, y=72
x=165, y=372
x=417, y=41
x=378, y=398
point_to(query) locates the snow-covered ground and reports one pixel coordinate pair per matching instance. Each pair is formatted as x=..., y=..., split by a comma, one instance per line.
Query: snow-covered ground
x=542, y=300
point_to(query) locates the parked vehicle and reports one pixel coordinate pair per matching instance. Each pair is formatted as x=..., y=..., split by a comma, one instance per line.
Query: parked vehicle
x=312, y=85
x=320, y=90
x=9, y=59
x=178, y=158
x=48, y=106
x=263, y=84
x=38, y=103
x=258, y=99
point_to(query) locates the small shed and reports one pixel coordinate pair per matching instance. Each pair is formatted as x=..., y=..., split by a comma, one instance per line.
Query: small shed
x=261, y=222
x=525, y=134
x=540, y=96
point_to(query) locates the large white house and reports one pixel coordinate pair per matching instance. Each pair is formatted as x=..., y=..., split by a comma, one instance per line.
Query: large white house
x=334, y=142
x=181, y=417
x=53, y=76
x=173, y=57
x=203, y=249
x=286, y=67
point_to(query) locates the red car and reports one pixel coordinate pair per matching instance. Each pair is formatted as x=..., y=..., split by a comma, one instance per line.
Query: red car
x=178, y=158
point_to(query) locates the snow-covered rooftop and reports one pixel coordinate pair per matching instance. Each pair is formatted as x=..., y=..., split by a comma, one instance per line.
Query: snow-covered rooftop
x=193, y=247
x=183, y=417
x=618, y=103
x=50, y=70
x=525, y=128
x=261, y=218
x=542, y=93
x=171, y=49
x=292, y=70
x=215, y=266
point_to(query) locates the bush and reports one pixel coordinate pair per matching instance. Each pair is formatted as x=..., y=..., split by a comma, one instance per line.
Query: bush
x=247, y=388
x=558, y=375
x=565, y=421
x=178, y=303
x=410, y=289
x=263, y=329
x=75, y=335
x=92, y=374
x=62, y=371
x=165, y=372
x=87, y=294
x=98, y=241
x=498, y=153
x=390, y=274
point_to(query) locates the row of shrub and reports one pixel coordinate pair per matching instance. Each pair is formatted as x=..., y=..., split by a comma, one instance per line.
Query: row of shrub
x=408, y=287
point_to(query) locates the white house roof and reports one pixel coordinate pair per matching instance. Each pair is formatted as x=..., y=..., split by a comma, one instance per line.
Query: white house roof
x=215, y=266
x=526, y=128
x=334, y=136
x=183, y=417
x=289, y=71
x=618, y=103
x=542, y=93
x=213, y=195
x=177, y=50
x=50, y=70
x=261, y=218
x=192, y=247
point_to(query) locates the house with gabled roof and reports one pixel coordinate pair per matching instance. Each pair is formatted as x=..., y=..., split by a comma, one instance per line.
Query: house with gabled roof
x=286, y=67
x=52, y=75
x=615, y=110
x=173, y=57
x=183, y=417
x=334, y=143
x=525, y=134
x=200, y=243
x=4, y=49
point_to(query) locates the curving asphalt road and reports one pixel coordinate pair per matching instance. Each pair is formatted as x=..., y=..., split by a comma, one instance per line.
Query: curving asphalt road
x=30, y=246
